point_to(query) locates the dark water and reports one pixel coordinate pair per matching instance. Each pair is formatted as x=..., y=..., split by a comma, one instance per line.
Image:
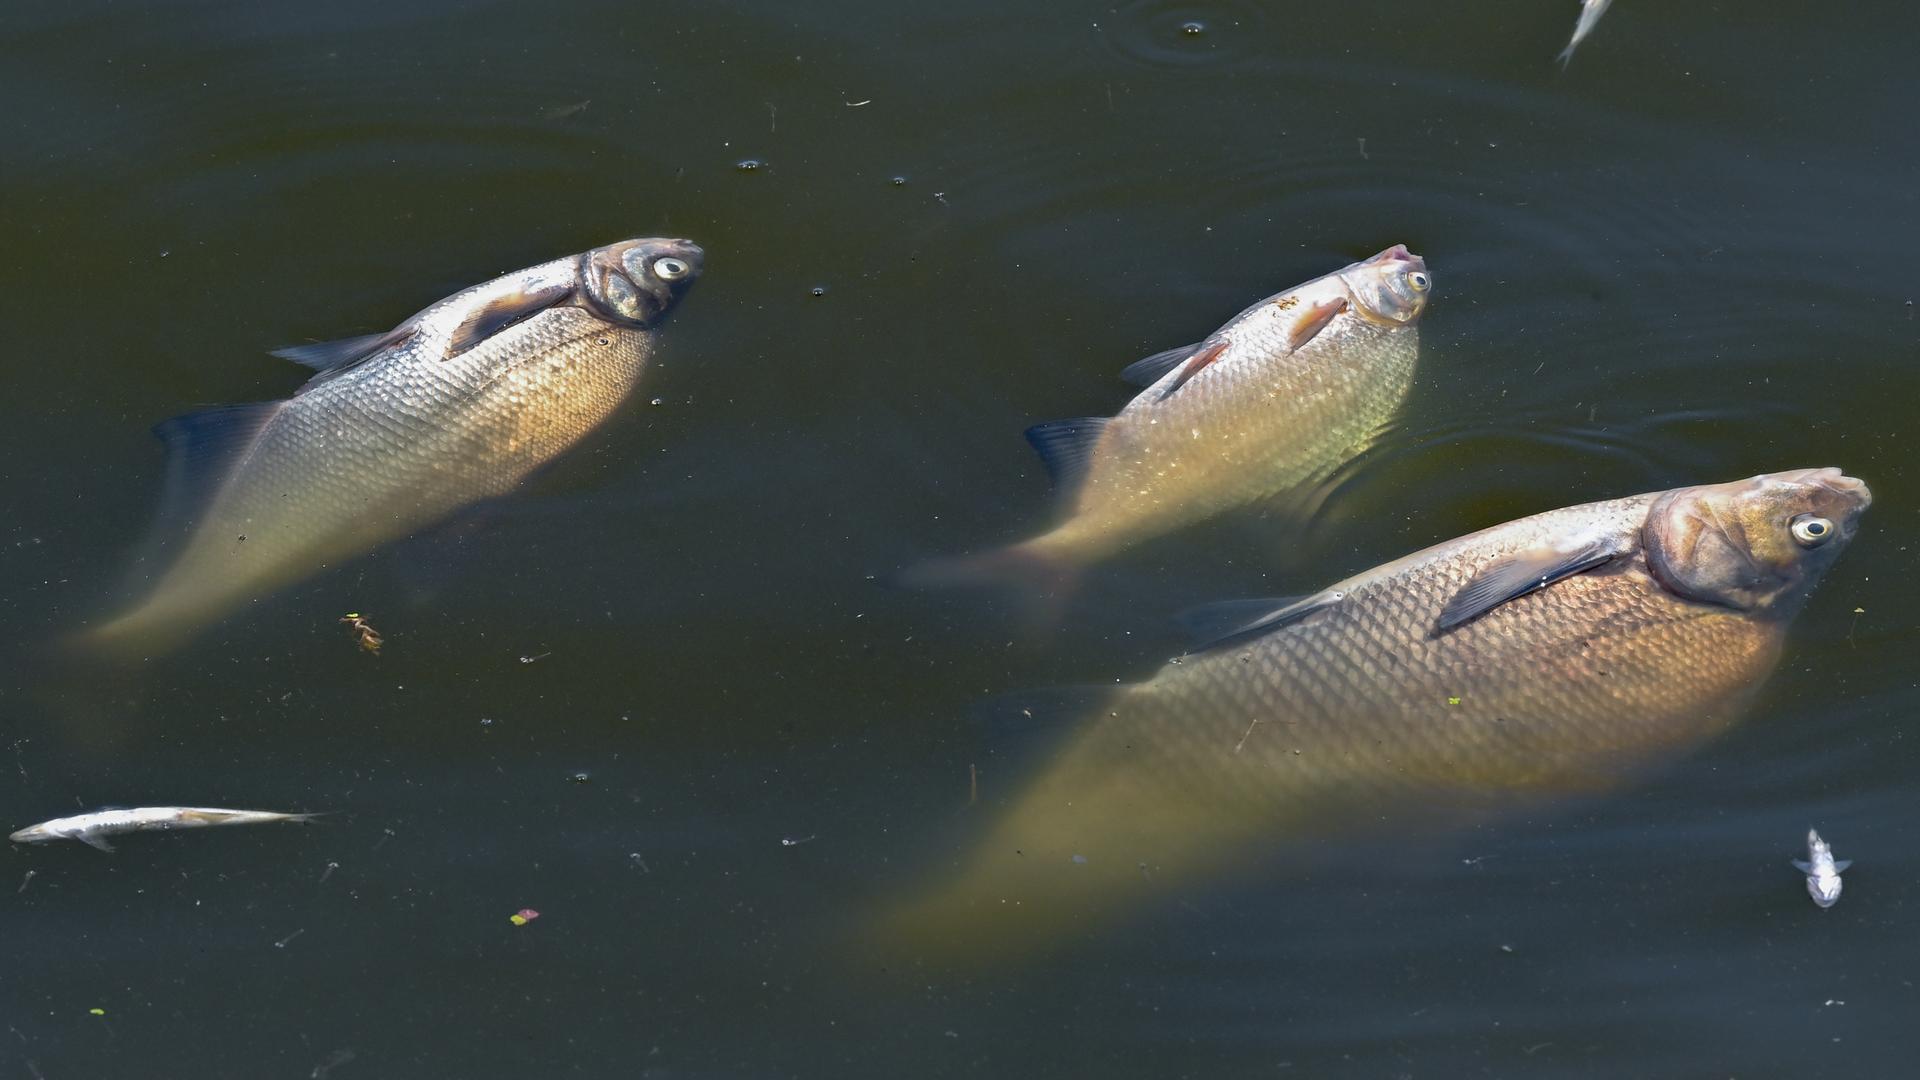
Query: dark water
x=617, y=698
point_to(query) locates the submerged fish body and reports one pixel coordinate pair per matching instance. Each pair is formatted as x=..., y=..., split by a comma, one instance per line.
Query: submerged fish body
x=459, y=403
x=1822, y=870
x=94, y=828
x=1551, y=654
x=1590, y=12
x=1272, y=402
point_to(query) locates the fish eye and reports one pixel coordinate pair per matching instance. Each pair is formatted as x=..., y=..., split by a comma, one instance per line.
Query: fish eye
x=1419, y=280
x=1810, y=530
x=669, y=268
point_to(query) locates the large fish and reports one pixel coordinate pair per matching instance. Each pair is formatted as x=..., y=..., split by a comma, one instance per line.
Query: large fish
x=1551, y=654
x=458, y=403
x=1270, y=403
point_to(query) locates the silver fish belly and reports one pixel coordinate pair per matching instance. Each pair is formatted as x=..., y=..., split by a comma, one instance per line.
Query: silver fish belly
x=94, y=828
x=457, y=404
x=1270, y=403
x=1553, y=654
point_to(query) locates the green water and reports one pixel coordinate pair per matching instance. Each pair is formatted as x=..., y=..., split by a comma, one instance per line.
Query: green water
x=616, y=698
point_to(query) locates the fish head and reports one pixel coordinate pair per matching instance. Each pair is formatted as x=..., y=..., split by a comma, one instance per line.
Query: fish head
x=1391, y=288
x=33, y=834
x=1757, y=545
x=637, y=282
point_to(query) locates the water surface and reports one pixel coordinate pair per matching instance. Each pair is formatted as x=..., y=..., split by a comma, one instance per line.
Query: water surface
x=617, y=698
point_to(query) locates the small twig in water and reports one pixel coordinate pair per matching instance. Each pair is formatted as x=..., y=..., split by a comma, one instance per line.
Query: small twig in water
x=1248, y=735
x=791, y=842
x=24, y=881
x=640, y=861
x=334, y=1061
x=331, y=867
x=973, y=784
x=282, y=943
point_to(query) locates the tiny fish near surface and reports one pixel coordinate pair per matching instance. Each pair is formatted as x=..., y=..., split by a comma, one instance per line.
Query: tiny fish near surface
x=1556, y=653
x=95, y=827
x=1823, y=872
x=1270, y=403
x=456, y=404
x=1590, y=12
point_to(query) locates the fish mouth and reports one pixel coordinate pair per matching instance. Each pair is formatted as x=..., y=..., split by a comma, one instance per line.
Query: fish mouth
x=1396, y=253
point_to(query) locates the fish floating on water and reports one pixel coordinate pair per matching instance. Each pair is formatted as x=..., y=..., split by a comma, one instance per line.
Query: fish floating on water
x=1823, y=872
x=1556, y=653
x=1272, y=402
x=456, y=404
x=94, y=828
x=1590, y=12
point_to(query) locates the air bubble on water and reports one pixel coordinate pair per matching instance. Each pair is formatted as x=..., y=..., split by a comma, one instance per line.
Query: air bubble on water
x=818, y=290
x=581, y=778
x=1193, y=28
x=658, y=401
x=748, y=164
x=898, y=181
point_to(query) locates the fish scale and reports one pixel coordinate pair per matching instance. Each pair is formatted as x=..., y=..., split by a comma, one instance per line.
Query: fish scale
x=377, y=449
x=1362, y=709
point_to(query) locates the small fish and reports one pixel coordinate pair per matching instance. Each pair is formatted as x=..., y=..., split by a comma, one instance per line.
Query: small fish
x=1823, y=872
x=95, y=827
x=1562, y=652
x=1270, y=403
x=459, y=403
x=1590, y=12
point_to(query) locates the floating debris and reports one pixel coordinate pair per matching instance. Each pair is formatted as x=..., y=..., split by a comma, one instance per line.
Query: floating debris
x=522, y=917
x=370, y=639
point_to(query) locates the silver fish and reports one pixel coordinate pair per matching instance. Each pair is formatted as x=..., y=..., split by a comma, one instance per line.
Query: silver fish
x=95, y=827
x=1270, y=403
x=1823, y=872
x=458, y=403
x=1590, y=12
x=1556, y=653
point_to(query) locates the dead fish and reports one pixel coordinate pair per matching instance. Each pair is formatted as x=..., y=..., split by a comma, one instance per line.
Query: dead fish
x=1557, y=653
x=1272, y=402
x=1823, y=872
x=95, y=827
x=1590, y=12
x=458, y=403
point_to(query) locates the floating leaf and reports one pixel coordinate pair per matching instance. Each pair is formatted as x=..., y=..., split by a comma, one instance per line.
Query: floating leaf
x=523, y=916
x=1453, y=701
x=97, y=1012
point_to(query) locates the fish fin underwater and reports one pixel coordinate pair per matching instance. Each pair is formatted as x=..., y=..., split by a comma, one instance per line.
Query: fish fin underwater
x=1151, y=369
x=1066, y=449
x=1226, y=622
x=334, y=357
x=1194, y=364
x=99, y=843
x=1840, y=865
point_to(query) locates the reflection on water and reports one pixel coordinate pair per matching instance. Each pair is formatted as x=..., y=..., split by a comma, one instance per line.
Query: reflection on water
x=1674, y=262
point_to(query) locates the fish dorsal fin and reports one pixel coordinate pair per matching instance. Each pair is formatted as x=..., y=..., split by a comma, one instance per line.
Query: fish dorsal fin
x=1066, y=448
x=333, y=357
x=1515, y=575
x=201, y=449
x=1148, y=371
x=1213, y=626
x=501, y=312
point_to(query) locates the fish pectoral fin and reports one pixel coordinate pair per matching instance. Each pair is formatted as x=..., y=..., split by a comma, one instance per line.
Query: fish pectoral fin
x=1066, y=449
x=95, y=841
x=201, y=449
x=1145, y=372
x=1518, y=574
x=1199, y=360
x=1212, y=626
x=498, y=314
x=1803, y=866
x=333, y=357
x=1311, y=320
x=1840, y=865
